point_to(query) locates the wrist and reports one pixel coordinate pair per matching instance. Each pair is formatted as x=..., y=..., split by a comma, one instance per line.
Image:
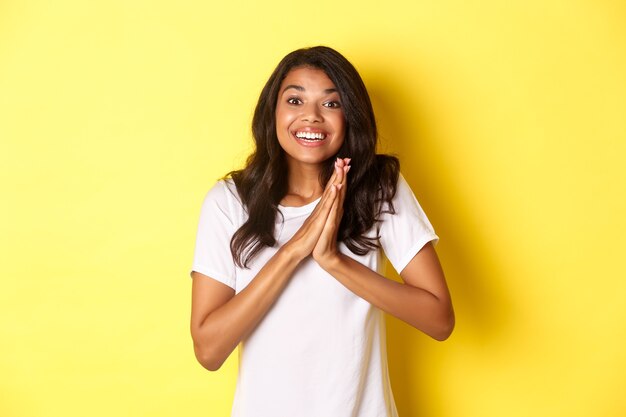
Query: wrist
x=329, y=262
x=290, y=253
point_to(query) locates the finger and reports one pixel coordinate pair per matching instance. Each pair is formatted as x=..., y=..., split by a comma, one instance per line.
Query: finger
x=327, y=201
x=326, y=192
x=344, y=164
x=332, y=221
x=340, y=170
x=332, y=178
x=326, y=206
x=343, y=186
x=344, y=172
x=337, y=177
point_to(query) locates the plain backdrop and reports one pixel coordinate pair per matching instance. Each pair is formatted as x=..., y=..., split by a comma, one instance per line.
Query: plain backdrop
x=117, y=116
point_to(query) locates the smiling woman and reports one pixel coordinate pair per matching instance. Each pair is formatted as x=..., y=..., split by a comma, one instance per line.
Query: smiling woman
x=288, y=252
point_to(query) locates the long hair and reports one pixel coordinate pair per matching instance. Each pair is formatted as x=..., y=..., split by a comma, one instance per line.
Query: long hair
x=262, y=183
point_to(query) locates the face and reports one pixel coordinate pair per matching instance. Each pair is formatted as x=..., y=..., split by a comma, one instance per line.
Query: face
x=310, y=122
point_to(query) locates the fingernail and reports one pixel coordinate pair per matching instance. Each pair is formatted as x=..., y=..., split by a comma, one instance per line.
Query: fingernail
x=348, y=160
x=349, y=166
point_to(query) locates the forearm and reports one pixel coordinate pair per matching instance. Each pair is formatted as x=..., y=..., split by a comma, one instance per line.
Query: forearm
x=416, y=306
x=218, y=334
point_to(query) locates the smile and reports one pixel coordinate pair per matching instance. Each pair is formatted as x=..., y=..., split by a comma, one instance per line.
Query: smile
x=310, y=136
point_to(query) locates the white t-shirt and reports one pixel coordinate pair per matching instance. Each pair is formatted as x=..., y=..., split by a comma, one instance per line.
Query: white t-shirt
x=320, y=351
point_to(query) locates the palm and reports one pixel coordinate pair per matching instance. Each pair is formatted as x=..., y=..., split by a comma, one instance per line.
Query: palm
x=318, y=235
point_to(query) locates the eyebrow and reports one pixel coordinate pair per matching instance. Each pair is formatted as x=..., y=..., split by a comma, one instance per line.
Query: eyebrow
x=300, y=88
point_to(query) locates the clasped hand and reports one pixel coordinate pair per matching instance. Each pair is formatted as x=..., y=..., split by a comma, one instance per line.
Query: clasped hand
x=318, y=234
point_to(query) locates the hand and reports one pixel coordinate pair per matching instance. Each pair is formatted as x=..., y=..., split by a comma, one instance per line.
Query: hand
x=302, y=243
x=326, y=248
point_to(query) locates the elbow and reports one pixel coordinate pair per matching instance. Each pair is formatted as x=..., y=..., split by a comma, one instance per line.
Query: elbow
x=207, y=354
x=443, y=333
x=207, y=359
x=444, y=328
x=210, y=364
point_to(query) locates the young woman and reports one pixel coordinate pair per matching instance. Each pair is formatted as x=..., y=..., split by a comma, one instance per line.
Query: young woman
x=288, y=253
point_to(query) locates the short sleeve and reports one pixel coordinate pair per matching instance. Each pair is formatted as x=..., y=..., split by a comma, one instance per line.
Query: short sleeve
x=212, y=256
x=404, y=233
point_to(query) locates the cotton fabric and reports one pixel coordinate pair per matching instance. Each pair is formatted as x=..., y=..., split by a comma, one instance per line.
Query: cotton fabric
x=320, y=350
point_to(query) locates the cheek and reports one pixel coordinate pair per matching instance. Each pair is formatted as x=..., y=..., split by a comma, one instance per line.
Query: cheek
x=282, y=126
x=341, y=125
x=283, y=116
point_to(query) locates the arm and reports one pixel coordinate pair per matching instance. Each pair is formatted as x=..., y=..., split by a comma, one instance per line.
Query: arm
x=423, y=301
x=220, y=319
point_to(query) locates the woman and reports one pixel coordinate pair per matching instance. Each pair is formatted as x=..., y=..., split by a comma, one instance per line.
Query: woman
x=288, y=252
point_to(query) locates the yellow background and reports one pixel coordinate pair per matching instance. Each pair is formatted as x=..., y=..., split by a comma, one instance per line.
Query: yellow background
x=117, y=116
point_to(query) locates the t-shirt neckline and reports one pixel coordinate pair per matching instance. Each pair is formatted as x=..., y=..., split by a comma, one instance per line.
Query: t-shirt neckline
x=307, y=208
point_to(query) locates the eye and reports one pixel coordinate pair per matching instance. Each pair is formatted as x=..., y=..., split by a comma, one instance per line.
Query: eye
x=294, y=100
x=332, y=104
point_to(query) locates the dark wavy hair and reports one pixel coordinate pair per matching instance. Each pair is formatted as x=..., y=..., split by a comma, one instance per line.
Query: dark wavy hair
x=262, y=184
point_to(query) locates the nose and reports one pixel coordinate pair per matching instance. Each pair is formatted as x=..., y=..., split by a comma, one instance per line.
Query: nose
x=311, y=113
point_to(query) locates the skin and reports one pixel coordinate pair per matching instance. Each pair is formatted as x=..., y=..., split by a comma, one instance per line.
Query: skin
x=221, y=319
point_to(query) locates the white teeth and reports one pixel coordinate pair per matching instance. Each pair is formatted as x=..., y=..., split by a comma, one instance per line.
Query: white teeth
x=310, y=135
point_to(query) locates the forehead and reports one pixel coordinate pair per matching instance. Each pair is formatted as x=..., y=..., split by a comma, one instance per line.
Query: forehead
x=308, y=78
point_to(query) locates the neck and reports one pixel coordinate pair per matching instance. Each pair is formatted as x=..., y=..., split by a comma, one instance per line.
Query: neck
x=304, y=180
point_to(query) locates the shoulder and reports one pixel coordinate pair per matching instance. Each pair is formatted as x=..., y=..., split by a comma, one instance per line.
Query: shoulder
x=403, y=188
x=224, y=197
x=406, y=197
x=405, y=227
x=223, y=189
x=398, y=193
x=404, y=202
